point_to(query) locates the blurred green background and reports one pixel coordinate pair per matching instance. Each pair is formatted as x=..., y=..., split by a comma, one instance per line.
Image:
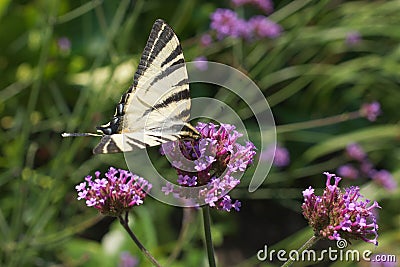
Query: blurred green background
x=64, y=65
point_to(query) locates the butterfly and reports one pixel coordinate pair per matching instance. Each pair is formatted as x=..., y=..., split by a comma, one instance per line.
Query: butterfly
x=156, y=107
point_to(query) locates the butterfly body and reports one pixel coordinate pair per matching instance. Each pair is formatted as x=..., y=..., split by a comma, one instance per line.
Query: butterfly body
x=156, y=107
x=115, y=125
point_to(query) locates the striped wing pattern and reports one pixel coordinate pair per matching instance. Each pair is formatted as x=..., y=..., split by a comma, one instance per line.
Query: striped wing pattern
x=156, y=108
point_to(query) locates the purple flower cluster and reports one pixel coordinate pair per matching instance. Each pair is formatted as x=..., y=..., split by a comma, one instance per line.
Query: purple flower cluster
x=262, y=27
x=340, y=215
x=384, y=178
x=280, y=155
x=365, y=167
x=216, y=157
x=227, y=23
x=371, y=110
x=265, y=5
x=115, y=193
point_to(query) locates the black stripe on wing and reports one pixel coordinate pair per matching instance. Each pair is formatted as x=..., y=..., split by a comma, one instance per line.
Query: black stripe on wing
x=178, y=131
x=109, y=144
x=106, y=145
x=160, y=35
x=175, y=97
x=165, y=73
x=181, y=116
x=188, y=131
x=174, y=54
x=134, y=143
x=162, y=139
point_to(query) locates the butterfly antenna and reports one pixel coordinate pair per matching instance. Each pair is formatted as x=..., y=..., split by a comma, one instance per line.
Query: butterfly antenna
x=79, y=134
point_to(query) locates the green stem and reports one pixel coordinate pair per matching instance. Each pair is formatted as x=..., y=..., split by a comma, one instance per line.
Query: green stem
x=318, y=122
x=207, y=233
x=310, y=242
x=183, y=235
x=124, y=223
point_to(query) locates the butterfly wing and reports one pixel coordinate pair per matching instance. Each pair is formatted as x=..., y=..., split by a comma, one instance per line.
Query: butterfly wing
x=156, y=107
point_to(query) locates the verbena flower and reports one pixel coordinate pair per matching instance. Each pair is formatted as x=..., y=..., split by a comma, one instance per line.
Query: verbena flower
x=348, y=171
x=280, y=155
x=265, y=5
x=340, y=215
x=384, y=178
x=205, y=40
x=117, y=192
x=366, y=167
x=355, y=151
x=381, y=177
x=127, y=260
x=227, y=23
x=216, y=158
x=353, y=38
x=371, y=110
x=201, y=63
x=64, y=44
x=262, y=27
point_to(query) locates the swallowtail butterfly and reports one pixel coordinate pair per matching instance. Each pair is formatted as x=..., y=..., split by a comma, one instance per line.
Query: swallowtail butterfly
x=156, y=107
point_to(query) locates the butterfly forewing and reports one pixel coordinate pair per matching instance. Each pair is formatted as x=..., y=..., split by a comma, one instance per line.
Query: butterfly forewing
x=156, y=107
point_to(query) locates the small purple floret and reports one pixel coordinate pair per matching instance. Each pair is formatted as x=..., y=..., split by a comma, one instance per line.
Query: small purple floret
x=355, y=151
x=201, y=63
x=353, y=38
x=371, y=110
x=348, y=171
x=280, y=155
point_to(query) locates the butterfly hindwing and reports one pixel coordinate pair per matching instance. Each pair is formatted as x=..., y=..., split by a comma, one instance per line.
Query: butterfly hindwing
x=130, y=141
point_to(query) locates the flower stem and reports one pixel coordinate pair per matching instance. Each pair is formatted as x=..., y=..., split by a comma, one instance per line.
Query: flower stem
x=183, y=235
x=207, y=233
x=124, y=223
x=310, y=242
